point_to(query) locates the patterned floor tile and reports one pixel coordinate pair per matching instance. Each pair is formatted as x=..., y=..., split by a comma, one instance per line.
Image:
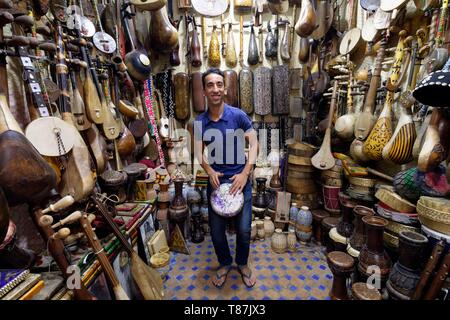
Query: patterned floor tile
x=299, y=275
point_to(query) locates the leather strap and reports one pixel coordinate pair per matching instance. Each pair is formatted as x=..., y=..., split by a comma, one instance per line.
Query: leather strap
x=151, y=116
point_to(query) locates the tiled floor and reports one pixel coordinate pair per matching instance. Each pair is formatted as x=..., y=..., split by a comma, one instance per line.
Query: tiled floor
x=300, y=275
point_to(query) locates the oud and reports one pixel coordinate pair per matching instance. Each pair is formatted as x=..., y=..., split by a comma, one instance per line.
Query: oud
x=307, y=19
x=163, y=35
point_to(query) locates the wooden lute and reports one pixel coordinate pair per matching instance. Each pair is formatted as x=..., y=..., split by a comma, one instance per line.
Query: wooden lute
x=323, y=159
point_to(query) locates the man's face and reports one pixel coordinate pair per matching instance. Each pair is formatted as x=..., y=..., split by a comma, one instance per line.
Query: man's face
x=214, y=90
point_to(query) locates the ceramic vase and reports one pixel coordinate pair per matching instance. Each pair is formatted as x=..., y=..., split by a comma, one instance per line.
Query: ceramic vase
x=279, y=241
x=293, y=213
x=260, y=232
x=291, y=240
x=253, y=231
x=304, y=221
x=357, y=239
x=269, y=227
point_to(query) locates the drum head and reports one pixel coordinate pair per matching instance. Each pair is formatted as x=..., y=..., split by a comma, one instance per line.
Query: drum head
x=42, y=133
x=225, y=204
x=350, y=41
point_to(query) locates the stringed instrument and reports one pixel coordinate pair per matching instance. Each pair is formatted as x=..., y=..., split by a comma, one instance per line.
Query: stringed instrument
x=174, y=58
x=253, y=54
x=136, y=61
x=24, y=175
x=246, y=90
x=196, y=59
x=365, y=121
x=198, y=99
x=323, y=159
x=230, y=50
x=303, y=52
x=214, y=49
x=439, y=55
x=382, y=130
x=271, y=43
x=163, y=35
x=78, y=179
x=400, y=146
x=284, y=47
x=345, y=124
x=433, y=152
x=231, y=85
x=324, y=14
x=307, y=19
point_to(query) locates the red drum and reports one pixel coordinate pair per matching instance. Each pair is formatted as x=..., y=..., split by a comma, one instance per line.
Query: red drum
x=331, y=198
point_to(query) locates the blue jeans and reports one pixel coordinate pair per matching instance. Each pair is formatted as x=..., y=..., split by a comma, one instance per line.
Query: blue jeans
x=242, y=222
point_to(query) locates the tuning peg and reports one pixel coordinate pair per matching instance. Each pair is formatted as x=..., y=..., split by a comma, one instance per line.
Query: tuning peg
x=342, y=76
x=74, y=216
x=77, y=62
x=24, y=20
x=5, y=18
x=61, y=234
x=45, y=220
x=73, y=237
x=18, y=41
x=60, y=204
x=48, y=47
x=6, y=4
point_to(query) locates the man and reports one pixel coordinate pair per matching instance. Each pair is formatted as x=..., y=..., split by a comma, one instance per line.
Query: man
x=219, y=127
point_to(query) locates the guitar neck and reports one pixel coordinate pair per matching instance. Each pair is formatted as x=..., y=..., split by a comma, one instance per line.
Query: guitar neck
x=30, y=78
x=62, y=70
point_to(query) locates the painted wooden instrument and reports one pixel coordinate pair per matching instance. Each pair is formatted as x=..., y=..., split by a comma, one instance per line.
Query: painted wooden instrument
x=433, y=152
x=280, y=90
x=307, y=19
x=198, y=99
x=78, y=179
x=241, y=40
x=182, y=98
x=262, y=90
x=119, y=292
x=382, y=130
x=57, y=250
x=284, y=47
x=196, y=59
x=439, y=55
x=230, y=50
x=214, y=49
x=365, y=121
x=400, y=146
x=231, y=85
x=253, y=54
x=323, y=159
x=246, y=90
x=163, y=35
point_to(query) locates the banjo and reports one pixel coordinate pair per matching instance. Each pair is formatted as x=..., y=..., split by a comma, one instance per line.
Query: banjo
x=210, y=8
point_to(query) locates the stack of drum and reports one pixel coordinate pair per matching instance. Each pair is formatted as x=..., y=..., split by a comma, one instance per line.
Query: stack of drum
x=300, y=175
x=400, y=214
x=362, y=188
x=331, y=186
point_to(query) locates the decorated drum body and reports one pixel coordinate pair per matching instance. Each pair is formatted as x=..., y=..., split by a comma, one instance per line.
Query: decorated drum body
x=225, y=204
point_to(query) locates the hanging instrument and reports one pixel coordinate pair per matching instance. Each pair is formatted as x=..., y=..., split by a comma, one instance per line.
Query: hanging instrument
x=284, y=47
x=382, y=130
x=230, y=50
x=365, y=121
x=323, y=159
x=163, y=35
x=345, y=124
x=271, y=43
x=307, y=19
x=210, y=8
x=214, y=49
x=324, y=14
x=196, y=59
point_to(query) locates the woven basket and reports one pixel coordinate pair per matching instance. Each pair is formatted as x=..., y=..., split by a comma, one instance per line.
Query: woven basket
x=433, y=214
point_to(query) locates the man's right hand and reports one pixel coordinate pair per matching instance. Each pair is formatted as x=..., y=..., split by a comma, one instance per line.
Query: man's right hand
x=214, y=178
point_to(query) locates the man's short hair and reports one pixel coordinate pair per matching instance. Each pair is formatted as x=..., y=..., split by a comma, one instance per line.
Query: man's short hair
x=208, y=72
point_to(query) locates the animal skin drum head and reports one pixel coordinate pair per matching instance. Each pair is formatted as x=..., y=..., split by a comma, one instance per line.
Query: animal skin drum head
x=225, y=204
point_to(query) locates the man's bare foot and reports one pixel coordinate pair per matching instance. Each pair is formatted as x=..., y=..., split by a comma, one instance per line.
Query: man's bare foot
x=221, y=276
x=247, y=275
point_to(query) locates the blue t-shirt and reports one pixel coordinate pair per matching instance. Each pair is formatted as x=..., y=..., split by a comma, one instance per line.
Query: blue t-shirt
x=225, y=139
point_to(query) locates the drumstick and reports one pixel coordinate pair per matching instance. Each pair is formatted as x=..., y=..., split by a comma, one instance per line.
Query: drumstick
x=61, y=234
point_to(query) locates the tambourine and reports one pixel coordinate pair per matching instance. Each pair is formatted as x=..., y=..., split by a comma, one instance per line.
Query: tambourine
x=225, y=204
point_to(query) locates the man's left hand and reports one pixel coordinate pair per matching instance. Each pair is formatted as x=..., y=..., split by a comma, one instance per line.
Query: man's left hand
x=239, y=182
